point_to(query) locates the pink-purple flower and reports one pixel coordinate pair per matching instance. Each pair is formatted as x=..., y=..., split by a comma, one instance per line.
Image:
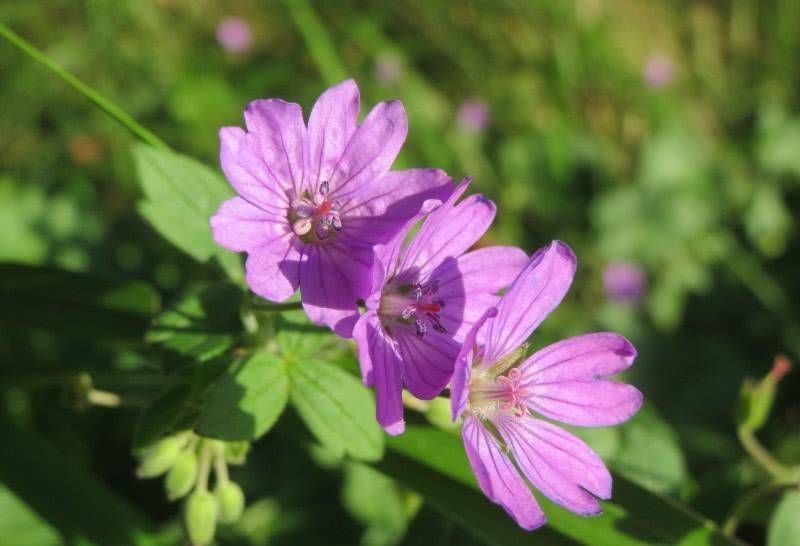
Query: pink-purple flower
x=473, y=115
x=658, y=70
x=233, y=34
x=500, y=392
x=625, y=282
x=426, y=296
x=314, y=200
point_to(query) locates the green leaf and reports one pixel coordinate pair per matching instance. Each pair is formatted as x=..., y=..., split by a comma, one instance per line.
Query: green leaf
x=76, y=305
x=433, y=462
x=375, y=501
x=337, y=409
x=644, y=450
x=784, y=527
x=247, y=400
x=20, y=526
x=203, y=324
x=61, y=491
x=180, y=196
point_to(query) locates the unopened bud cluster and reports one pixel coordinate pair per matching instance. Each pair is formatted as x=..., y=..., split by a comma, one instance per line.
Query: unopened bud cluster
x=188, y=460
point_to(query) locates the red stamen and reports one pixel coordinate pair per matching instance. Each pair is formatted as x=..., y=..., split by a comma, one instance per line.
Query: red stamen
x=428, y=307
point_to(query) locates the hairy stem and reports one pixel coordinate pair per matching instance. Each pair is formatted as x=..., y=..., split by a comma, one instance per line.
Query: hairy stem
x=100, y=101
x=759, y=453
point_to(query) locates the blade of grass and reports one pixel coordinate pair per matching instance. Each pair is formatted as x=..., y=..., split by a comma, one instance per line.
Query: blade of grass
x=96, y=98
x=319, y=44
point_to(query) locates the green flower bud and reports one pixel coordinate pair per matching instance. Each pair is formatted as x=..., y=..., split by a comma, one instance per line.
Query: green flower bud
x=231, y=502
x=182, y=476
x=200, y=517
x=756, y=399
x=160, y=457
x=236, y=452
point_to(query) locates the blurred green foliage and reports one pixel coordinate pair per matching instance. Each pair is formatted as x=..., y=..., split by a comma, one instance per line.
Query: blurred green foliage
x=696, y=178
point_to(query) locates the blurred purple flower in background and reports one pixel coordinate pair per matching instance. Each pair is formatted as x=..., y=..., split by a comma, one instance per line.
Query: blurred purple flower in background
x=497, y=390
x=233, y=34
x=625, y=282
x=388, y=68
x=658, y=70
x=473, y=115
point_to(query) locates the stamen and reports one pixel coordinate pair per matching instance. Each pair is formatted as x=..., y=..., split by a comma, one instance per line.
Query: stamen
x=322, y=215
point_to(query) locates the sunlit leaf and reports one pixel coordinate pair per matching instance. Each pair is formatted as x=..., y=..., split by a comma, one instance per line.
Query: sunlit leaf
x=784, y=527
x=180, y=196
x=337, y=409
x=247, y=400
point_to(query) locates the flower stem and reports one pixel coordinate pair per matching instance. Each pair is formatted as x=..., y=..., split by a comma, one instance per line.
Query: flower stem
x=220, y=467
x=277, y=307
x=100, y=101
x=743, y=504
x=204, y=466
x=763, y=457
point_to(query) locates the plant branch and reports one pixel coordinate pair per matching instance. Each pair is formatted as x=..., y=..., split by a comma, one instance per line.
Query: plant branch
x=96, y=98
x=759, y=453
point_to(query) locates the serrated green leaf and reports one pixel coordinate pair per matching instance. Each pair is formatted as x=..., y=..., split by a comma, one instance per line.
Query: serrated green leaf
x=337, y=409
x=180, y=196
x=299, y=340
x=77, y=305
x=635, y=517
x=203, y=323
x=247, y=400
x=784, y=527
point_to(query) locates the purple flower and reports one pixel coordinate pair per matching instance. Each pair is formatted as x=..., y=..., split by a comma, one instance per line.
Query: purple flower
x=658, y=70
x=498, y=390
x=313, y=202
x=233, y=34
x=624, y=283
x=473, y=115
x=426, y=296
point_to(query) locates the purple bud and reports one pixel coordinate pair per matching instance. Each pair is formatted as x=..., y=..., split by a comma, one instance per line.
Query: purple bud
x=625, y=283
x=233, y=34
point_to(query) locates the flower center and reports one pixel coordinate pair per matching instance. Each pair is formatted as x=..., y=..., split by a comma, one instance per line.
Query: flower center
x=505, y=393
x=414, y=304
x=314, y=217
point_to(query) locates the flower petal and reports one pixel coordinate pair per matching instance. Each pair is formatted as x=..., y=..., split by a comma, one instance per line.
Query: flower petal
x=331, y=125
x=332, y=279
x=462, y=372
x=274, y=276
x=243, y=227
x=382, y=209
x=371, y=151
x=280, y=138
x=557, y=463
x=380, y=366
x=245, y=170
x=470, y=284
x=537, y=290
x=498, y=478
x=426, y=362
x=448, y=231
x=565, y=380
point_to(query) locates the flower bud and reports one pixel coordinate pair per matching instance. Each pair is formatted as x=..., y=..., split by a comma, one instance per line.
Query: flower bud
x=231, y=502
x=160, y=457
x=200, y=517
x=756, y=399
x=182, y=476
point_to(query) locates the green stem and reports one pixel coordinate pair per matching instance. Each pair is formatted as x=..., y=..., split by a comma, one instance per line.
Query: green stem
x=204, y=466
x=103, y=103
x=743, y=505
x=220, y=466
x=318, y=40
x=763, y=457
x=277, y=307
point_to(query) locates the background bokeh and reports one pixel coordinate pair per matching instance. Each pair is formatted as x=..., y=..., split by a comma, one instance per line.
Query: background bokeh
x=661, y=140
